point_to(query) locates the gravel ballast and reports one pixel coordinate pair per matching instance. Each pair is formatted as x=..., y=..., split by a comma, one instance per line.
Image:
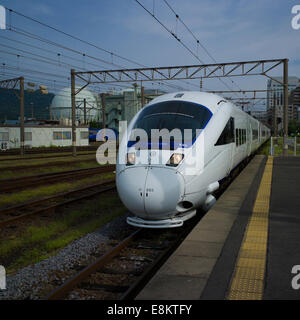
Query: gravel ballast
x=34, y=280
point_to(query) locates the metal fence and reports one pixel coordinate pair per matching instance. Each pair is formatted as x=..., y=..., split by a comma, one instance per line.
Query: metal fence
x=276, y=146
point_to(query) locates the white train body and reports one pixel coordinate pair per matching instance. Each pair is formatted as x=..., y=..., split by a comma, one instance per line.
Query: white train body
x=160, y=193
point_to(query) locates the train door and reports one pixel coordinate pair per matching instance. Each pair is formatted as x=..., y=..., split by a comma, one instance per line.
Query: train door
x=249, y=138
x=232, y=144
x=227, y=142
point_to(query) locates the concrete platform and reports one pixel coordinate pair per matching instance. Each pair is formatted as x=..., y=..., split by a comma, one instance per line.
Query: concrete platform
x=205, y=264
x=185, y=275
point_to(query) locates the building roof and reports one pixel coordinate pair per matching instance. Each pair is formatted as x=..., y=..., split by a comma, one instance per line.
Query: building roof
x=45, y=126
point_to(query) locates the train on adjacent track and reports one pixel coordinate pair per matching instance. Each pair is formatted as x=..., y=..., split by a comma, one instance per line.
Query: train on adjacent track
x=164, y=183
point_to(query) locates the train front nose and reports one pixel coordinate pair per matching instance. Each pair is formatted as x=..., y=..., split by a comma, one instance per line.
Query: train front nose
x=151, y=192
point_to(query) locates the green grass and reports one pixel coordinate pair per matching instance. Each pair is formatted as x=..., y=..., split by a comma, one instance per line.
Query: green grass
x=7, y=174
x=37, y=243
x=278, y=148
x=48, y=190
x=265, y=150
x=37, y=162
x=45, y=155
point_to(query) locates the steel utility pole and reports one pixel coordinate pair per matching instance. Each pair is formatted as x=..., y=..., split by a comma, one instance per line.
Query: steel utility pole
x=285, y=97
x=275, y=116
x=142, y=96
x=32, y=113
x=73, y=112
x=22, y=131
x=103, y=110
x=84, y=111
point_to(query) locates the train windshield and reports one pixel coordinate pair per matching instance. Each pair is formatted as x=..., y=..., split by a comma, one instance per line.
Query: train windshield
x=174, y=115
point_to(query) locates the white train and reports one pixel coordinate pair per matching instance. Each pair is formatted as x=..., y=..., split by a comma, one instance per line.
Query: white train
x=158, y=182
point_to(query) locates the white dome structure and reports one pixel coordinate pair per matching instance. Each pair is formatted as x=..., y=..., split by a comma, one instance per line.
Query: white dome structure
x=61, y=105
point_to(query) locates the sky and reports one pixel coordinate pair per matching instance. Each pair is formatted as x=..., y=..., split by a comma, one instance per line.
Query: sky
x=231, y=30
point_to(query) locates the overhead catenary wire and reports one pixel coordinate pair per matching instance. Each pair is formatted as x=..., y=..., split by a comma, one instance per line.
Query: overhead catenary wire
x=82, y=54
x=59, y=84
x=176, y=37
x=193, y=35
x=15, y=29
x=41, y=39
x=31, y=35
x=47, y=80
x=40, y=58
x=111, y=53
x=52, y=52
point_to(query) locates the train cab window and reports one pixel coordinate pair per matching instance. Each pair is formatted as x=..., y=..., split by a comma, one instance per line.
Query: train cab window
x=174, y=115
x=227, y=135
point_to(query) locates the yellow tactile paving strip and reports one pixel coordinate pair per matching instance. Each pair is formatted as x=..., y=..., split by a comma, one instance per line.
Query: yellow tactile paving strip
x=247, y=282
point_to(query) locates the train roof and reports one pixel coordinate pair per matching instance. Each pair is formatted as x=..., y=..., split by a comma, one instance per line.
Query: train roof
x=209, y=100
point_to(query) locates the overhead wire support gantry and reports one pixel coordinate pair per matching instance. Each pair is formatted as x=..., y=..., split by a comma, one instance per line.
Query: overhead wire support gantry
x=191, y=72
x=188, y=72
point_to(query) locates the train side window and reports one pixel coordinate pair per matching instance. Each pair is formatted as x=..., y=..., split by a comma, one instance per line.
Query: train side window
x=255, y=134
x=237, y=137
x=240, y=136
x=227, y=135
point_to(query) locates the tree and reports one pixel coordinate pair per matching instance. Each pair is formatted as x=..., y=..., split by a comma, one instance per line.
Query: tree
x=294, y=127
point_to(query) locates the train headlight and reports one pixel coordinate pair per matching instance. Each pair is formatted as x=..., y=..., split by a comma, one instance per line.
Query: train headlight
x=130, y=159
x=175, y=159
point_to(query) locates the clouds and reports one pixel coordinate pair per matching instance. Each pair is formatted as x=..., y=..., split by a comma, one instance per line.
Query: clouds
x=42, y=9
x=231, y=30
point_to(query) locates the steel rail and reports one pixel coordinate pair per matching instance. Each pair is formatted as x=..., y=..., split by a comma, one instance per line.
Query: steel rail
x=7, y=185
x=46, y=204
x=2, y=156
x=48, y=150
x=48, y=164
x=62, y=291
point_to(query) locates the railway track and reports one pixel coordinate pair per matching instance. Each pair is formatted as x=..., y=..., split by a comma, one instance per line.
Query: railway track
x=46, y=165
x=48, y=150
x=3, y=158
x=12, y=185
x=124, y=270
x=14, y=214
